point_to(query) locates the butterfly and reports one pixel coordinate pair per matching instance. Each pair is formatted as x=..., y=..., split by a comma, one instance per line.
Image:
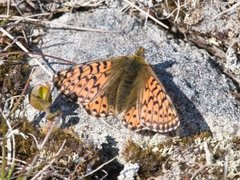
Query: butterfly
x=124, y=86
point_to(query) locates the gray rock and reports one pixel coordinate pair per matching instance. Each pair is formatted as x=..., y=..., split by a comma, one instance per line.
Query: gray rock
x=201, y=93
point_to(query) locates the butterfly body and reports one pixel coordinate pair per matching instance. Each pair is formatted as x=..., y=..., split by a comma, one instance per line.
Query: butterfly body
x=126, y=82
x=124, y=86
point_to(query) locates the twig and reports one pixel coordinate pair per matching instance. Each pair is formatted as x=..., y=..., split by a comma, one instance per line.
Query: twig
x=124, y=9
x=150, y=16
x=56, y=25
x=90, y=173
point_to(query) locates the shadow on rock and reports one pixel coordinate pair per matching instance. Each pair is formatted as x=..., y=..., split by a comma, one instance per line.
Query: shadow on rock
x=67, y=108
x=109, y=150
x=191, y=120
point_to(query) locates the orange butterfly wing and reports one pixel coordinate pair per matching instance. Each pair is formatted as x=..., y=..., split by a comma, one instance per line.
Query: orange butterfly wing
x=156, y=110
x=131, y=119
x=85, y=83
x=99, y=107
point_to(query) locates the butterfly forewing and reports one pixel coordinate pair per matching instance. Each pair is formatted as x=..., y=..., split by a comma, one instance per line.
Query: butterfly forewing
x=85, y=81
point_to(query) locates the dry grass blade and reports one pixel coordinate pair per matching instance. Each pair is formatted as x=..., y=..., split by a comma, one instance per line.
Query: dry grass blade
x=178, y=10
x=148, y=15
x=11, y=145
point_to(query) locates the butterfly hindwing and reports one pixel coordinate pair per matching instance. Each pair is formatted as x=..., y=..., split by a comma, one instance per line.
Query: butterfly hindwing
x=156, y=110
x=131, y=119
x=99, y=107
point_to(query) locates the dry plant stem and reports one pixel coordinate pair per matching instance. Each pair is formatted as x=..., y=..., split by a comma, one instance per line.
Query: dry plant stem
x=142, y=11
x=72, y=6
x=230, y=9
x=8, y=7
x=208, y=154
x=11, y=101
x=146, y=18
x=30, y=16
x=225, y=168
x=167, y=6
x=95, y=170
x=13, y=39
x=126, y=8
x=52, y=161
x=17, y=7
x=11, y=151
x=16, y=160
x=55, y=25
x=9, y=45
x=39, y=54
x=178, y=10
x=106, y=174
x=24, y=49
x=40, y=147
x=25, y=37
